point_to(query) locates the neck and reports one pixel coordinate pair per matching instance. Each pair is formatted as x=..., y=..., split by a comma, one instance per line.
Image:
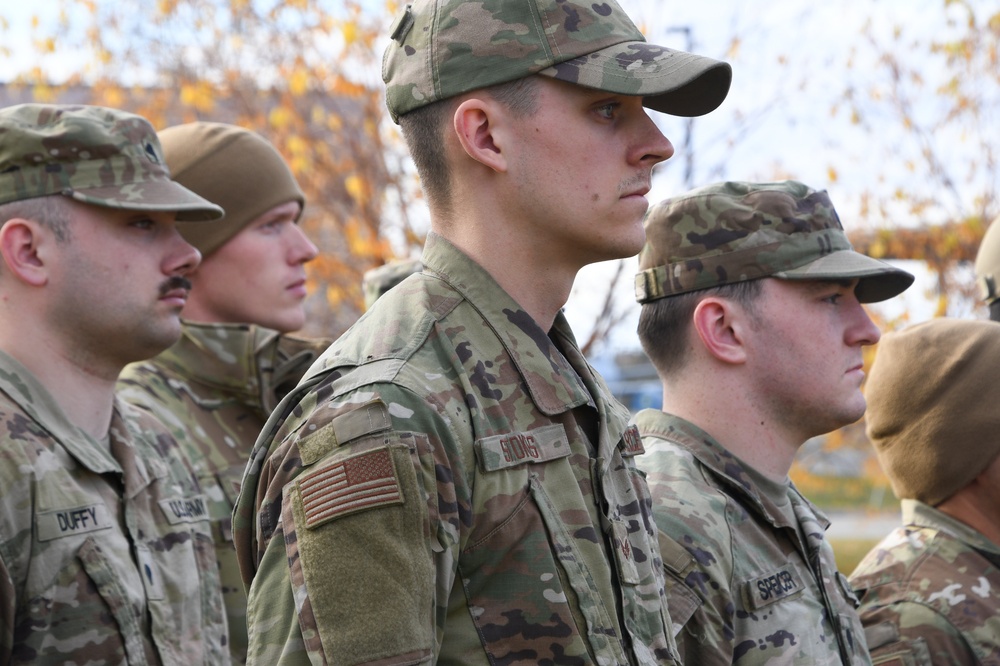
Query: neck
x=975, y=508
x=84, y=392
x=524, y=270
x=724, y=409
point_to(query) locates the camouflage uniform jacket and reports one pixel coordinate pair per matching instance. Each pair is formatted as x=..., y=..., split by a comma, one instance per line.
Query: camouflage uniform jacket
x=214, y=389
x=106, y=553
x=451, y=484
x=750, y=578
x=930, y=592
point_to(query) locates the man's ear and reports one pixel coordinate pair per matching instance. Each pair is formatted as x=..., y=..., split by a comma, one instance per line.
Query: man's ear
x=720, y=326
x=21, y=246
x=476, y=122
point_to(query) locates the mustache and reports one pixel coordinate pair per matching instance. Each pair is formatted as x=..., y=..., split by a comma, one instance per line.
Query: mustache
x=174, y=282
x=634, y=183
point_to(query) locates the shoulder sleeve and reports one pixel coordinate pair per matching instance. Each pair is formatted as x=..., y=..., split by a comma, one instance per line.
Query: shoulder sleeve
x=698, y=529
x=699, y=607
x=361, y=506
x=907, y=632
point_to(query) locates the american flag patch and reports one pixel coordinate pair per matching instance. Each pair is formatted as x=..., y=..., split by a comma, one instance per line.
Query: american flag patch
x=364, y=481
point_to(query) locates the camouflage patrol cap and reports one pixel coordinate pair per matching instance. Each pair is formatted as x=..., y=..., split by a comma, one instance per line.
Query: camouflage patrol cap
x=988, y=264
x=734, y=232
x=378, y=280
x=443, y=48
x=95, y=155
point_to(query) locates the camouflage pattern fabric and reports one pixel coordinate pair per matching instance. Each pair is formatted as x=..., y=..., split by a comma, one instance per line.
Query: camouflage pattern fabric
x=735, y=231
x=750, y=578
x=214, y=390
x=443, y=48
x=99, y=156
x=450, y=484
x=106, y=553
x=378, y=280
x=930, y=593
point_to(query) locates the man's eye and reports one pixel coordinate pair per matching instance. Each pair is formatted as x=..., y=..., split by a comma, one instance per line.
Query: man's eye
x=608, y=110
x=144, y=223
x=272, y=226
x=833, y=299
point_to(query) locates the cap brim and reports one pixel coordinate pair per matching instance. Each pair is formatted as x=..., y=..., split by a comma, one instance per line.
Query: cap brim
x=673, y=82
x=153, y=196
x=877, y=280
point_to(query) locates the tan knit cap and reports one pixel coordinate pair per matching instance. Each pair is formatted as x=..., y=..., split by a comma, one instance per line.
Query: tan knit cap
x=932, y=415
x=232, y=167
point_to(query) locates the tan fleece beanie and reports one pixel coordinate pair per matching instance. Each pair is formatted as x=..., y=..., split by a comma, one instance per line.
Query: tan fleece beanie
x=232, y=167
x=932, y=415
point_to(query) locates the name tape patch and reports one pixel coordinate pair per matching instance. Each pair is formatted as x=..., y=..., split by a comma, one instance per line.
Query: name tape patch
x=517, y=448
x=361, y=482
x=185, y=509
x=67, y=522
x=772, y=587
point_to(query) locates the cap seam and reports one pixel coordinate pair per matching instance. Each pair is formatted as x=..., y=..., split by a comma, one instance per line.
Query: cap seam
x=547, y=41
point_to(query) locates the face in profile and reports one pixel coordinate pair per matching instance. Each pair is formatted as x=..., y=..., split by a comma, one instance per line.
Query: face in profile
x=806, y=350
x=582, y=166
x=119, y=281
x=258, y=276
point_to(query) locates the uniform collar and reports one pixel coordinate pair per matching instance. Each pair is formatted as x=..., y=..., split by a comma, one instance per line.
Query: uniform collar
x=222, y=356
x=553, y=376
x=923, y=515
x=745, y=481
x=23, y=388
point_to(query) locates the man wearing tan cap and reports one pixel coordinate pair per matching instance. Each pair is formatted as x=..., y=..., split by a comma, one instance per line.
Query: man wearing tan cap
x=216, y=387
x=751, y=313
x=930, y=591
x=106, y=553
x=453, y=483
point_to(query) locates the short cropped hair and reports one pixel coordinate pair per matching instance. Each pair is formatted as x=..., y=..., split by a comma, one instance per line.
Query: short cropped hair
x=51, y=211
x=423, y=131
x=665, y=322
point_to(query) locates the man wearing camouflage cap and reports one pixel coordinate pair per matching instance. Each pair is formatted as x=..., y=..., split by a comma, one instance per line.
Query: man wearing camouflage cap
x=751, y=313
x=106, y=552
x=216, y=387
x=930, y=591
x=452, y=482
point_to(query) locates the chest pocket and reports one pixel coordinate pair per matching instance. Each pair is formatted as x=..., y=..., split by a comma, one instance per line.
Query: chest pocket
x=535, y=562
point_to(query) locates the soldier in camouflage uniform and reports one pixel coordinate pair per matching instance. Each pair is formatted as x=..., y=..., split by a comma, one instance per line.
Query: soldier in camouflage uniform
x=752, y=317
x=988, y=269
x=106, y=552
x=930, y=591
x=216, y=387
x=452, y=482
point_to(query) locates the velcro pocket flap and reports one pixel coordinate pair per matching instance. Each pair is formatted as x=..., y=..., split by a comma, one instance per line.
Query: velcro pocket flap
x=367, y=419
